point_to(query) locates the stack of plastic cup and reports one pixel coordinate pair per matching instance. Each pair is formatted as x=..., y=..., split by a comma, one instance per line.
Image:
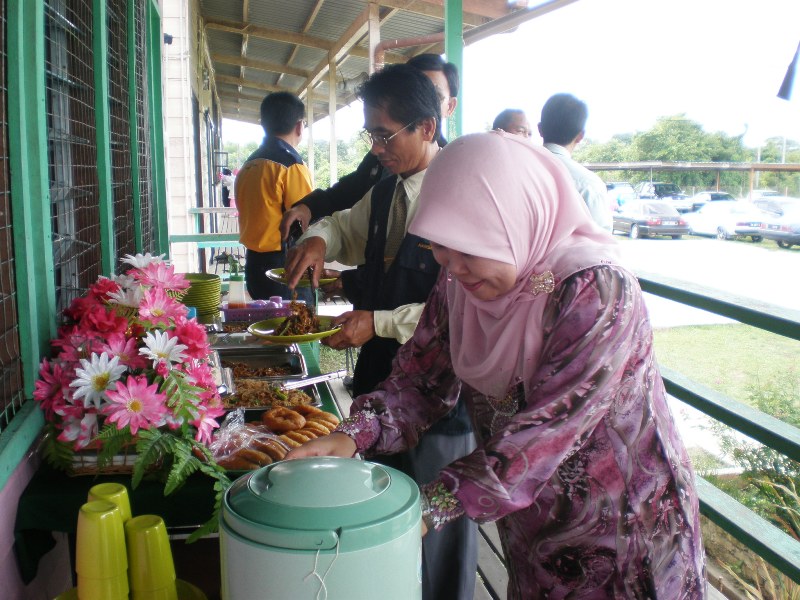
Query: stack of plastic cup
x=116, y=493
x=100, y=555
x=151, y=569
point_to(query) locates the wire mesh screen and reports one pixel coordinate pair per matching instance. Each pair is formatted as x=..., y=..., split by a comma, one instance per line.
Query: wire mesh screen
x=72, y=147
x=120, y=142
x=143, y=129
x=11, y=396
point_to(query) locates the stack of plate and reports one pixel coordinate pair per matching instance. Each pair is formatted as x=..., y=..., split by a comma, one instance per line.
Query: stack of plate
x=204, y=294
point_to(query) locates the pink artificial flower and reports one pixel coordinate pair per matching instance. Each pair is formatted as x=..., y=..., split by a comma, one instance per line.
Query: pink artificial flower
x=77, y=343
x=162, y=368
x=193, y=335
x=160, y=275
x=79, y=429
x=136, y=404
x=49, y=390
x=158, y=308
x=206, y=423
x=127, y=351
x=101, y=288
x=104, y=321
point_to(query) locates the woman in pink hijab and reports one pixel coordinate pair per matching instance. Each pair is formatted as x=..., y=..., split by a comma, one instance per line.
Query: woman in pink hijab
x=578, y=461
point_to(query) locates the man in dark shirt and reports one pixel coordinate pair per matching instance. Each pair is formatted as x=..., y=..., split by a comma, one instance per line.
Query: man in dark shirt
x=352, y=187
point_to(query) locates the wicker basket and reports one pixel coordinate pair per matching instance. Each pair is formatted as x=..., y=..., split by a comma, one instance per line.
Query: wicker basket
x=84, y=462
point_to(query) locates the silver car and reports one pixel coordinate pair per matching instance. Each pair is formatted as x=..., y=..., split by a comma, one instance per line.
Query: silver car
x=727, y=219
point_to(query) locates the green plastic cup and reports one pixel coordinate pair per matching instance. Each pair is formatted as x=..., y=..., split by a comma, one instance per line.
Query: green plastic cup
x=109, y=588
x=115, y=493
x=151, y=569
x=100, y=542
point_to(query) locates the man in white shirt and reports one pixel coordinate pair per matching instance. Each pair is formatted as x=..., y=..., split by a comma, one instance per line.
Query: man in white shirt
x=562, y=128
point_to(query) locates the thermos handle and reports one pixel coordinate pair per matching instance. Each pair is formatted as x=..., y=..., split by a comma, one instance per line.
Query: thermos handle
x=297, y=539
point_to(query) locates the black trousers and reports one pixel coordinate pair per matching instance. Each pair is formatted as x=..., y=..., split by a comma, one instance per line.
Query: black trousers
x=450, y=555
x=259, y=286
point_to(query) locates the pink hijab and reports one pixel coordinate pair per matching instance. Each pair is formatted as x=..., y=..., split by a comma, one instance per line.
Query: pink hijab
x=496, y=195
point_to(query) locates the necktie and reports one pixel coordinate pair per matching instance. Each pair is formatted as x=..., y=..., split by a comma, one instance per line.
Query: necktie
x=397, y=231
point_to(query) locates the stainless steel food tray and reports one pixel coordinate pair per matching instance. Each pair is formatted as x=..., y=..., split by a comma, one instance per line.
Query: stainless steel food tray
x=247, y=340
x=254, y=412
x=259, y=358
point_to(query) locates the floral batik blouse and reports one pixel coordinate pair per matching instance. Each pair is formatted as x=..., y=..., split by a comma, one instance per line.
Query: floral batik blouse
x=581, y=467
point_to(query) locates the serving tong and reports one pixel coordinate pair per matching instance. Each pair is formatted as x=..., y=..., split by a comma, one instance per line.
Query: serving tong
x=298, y=383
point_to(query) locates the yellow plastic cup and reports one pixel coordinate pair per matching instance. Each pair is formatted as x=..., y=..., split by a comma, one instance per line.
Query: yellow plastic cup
x=110, y=588
x=115, y=493
x=100, y=542
x=151, y=569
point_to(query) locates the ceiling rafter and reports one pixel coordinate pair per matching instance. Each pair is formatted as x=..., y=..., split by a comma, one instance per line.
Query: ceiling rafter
x=312, y=16
x=266, y=33
x=261, y=65
x=245, y=38
x=436, y=10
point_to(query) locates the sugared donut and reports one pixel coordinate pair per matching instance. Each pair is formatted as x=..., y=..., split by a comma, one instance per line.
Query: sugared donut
x=281, y=419
x=329, y=417
x=289, y=441
x=297, y=436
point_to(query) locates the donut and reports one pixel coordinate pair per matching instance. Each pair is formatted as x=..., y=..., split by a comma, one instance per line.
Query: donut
x=254, y=456
x=297, y=436
x=289, y=441
x=327, y=425
x=329, y=417
x=281, y=420
x=306, y=410
x=271, y=447
x=316, y=427
x=234, y=462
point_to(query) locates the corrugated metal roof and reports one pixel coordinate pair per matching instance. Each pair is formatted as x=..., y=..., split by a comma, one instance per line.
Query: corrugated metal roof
x=285, y=44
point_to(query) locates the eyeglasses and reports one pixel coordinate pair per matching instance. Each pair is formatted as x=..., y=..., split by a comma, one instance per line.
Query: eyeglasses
x=375, y=139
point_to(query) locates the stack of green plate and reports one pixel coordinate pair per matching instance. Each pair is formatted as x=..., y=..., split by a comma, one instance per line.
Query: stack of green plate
x=204, y=294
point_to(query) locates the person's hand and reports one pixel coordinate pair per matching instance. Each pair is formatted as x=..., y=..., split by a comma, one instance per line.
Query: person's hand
x=335, y=444
x=298, y=212
x=424, y=528
x=358, y=327
x=310, y=253
x=335, y=288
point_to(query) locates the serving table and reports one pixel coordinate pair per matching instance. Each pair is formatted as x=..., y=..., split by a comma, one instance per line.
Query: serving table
x=52, y=499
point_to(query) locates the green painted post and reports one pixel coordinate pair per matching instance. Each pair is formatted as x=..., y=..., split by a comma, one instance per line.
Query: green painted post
x=133, y=122
x=103, y=135
x=154, y=41
x=454, y=49
x=30, y=212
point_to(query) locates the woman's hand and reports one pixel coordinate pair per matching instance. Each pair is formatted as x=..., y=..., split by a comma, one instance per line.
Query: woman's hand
x=335, y=444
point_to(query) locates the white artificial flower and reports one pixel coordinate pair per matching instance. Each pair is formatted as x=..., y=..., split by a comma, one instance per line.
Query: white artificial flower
x=95, y=377
x=127, y=296
x=140, y=261
x=160, y=347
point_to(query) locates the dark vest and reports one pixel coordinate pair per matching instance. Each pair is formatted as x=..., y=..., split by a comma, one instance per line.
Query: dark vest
x=409, y=280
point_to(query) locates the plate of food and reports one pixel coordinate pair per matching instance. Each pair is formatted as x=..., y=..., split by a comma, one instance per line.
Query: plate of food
x=279, y=275
x=294, y=329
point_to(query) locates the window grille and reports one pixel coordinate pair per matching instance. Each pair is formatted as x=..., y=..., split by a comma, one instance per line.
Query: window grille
x=11, y=396
x=120, y=142
x=74, y=190
x=143, y=129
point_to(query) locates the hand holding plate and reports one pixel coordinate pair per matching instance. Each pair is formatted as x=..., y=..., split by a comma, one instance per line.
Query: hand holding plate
x=358, y=327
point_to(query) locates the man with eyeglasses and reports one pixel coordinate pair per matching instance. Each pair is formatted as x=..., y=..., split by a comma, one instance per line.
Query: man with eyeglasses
x=395, y=274
x=513, y=120
x=352, y=187
x=271, y=180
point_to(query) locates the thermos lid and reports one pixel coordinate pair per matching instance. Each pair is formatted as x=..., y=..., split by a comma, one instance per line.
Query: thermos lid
x=321, y=502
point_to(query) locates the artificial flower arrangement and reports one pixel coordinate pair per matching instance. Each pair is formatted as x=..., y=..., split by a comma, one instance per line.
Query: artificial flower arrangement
x=131, y=369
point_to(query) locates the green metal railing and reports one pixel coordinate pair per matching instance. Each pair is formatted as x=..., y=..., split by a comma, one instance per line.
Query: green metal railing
x=773, y=545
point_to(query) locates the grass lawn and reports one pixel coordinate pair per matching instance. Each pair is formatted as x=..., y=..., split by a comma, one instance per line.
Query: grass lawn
x=731, y=359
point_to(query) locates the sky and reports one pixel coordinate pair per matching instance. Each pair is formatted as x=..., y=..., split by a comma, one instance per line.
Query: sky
x=719, y=62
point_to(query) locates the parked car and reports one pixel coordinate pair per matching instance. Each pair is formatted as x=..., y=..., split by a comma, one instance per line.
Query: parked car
x=756, y=194
x=727, y=219
x=649, y=190
x=776, y=205
x=619, y=192
x=784, y=229
x=647, y=218
x=702, y=198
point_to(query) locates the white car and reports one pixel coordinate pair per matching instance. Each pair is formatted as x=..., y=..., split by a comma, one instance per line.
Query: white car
x=725, y=219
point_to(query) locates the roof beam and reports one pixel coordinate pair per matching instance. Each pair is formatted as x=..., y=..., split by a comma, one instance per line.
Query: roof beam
x=312, y=16
x=245, y=39
x=261, y=65
x=266, y=33
x=435, y=9
x=224, y=93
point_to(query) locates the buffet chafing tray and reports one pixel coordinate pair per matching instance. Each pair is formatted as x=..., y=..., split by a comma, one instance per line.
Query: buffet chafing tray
x=291, y=359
